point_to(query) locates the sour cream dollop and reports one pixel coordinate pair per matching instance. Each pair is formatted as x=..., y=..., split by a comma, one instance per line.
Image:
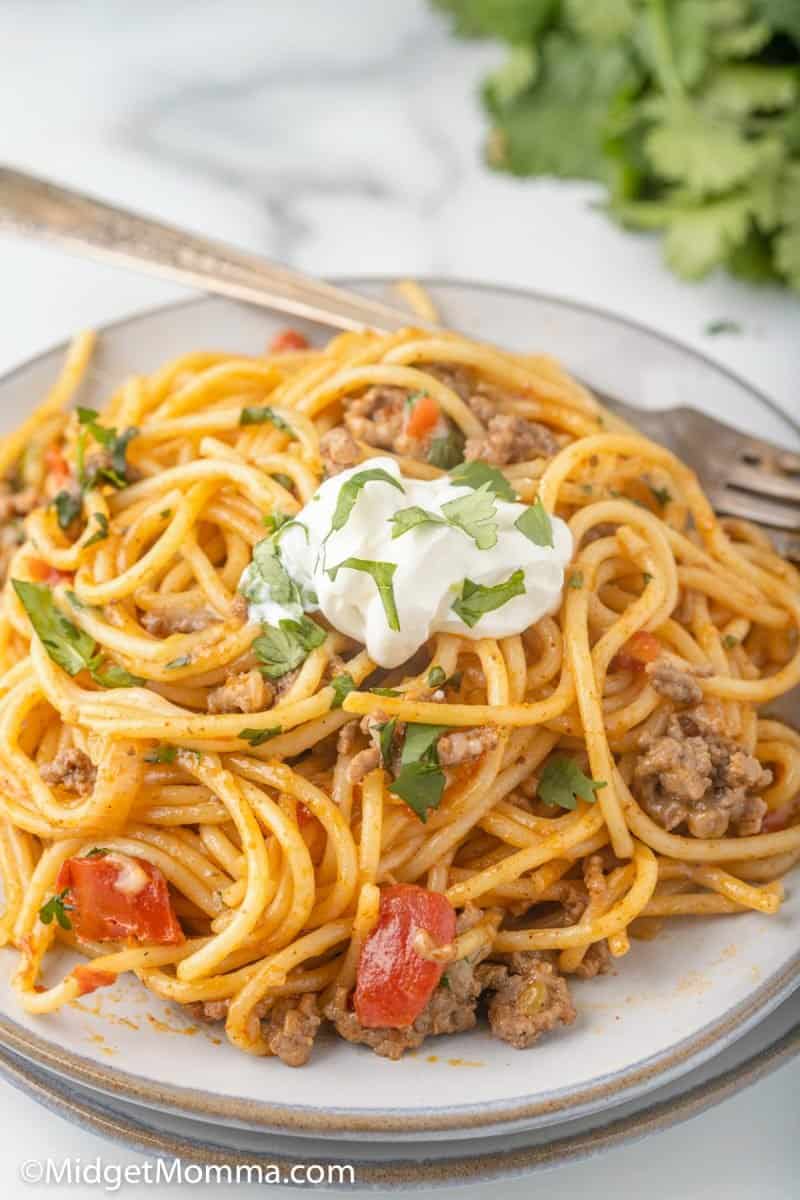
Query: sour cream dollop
x=431, y=563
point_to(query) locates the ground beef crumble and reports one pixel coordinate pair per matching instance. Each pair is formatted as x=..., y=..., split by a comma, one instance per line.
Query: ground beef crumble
x=510, y=439
x=245, y=692
x=179, y=620
x=72, y=770
x=338, y=450
x=290, y=1024
x=529, y=998
x=676, y=680
x=694, y=774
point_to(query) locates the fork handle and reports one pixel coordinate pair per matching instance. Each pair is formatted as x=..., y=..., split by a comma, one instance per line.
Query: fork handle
x=35, y=207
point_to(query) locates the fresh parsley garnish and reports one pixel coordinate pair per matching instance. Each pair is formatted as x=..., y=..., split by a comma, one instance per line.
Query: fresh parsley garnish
x=535, y=523
x=661, y=495
x=436, y=676
x=279, y=649
x=386, y=740
x=116, y=444
x=438, y=679
x=476, y=473
x=70, y=647
x=101, y=533
x=265, y=415
x=729, y=641
x=575, y=581
x=350, y=491
x=421, y=780
x=177, y=663
x=342, y=684
x=446, y=452
x=266, y=578
x=68, y=507
x=257, y=737
x=285, y=481
x=473, y=514
x=562, y=783
x=275, y=521
x=382, y=573
x=162, y=754
x=56, y=909
x=476, y=599
x=385, y=691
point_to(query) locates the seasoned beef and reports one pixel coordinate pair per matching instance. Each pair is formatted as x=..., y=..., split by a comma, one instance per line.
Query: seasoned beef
x=16, y=504
x=339, y=450
x=675, y=680
x=72, y=770
x=177, y=620
x=695, y=774
x=596, y=961
x=464, y=745
x=511, y=439
x=245, y=692
x=292, y=1025
x=377, y=416
x=530, y=998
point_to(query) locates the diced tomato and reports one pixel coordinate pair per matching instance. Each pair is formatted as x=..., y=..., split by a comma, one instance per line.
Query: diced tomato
x=89, y=979
x=288, y=339
x=394, y=982
x=117, y=897
x=424, y=417
x=42, y=572
x=639, y=650
x=56, y=465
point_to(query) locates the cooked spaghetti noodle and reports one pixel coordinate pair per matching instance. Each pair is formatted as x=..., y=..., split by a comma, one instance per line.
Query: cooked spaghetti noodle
x=253, y=807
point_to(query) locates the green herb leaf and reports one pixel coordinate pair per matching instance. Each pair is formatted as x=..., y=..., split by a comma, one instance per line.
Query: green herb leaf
x=729, y=641
x=421, y=785
x=176, y=663
x=257, y=737
x=382, y=573
x=420, y=743
x=477, y=473
x=162, y=754
x=113, y=676
x=102, y=530
x=68, y=507
x=266, y=578
x=475, y=514
x=386, y=740
x=575, y=581
x=661, y=495
x=96, y=852
x=115, y=444
x=535, y=523
x=350, y=491
x=275, y=521
x=66, y=644
x=285, y=481
x=280, y=649
x=411, y=518
x=475, y=599
x=264, y=415
x=436, y=677
x=383, y=691
x=447, y=451
x=562, y=782
x=342, y=684
x=56, y=909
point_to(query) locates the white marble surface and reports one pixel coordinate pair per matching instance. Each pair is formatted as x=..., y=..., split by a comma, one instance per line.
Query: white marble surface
x=344, y=137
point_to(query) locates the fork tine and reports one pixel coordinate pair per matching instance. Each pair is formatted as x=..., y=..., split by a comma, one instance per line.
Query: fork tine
x=764, y=483
x=755, y=508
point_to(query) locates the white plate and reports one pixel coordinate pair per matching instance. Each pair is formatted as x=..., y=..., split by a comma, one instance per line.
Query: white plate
x=409, y=1166
x=673, y=1003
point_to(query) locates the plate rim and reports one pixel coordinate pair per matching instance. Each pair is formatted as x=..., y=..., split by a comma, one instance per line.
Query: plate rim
x=496, y=1116
x=87, y=1111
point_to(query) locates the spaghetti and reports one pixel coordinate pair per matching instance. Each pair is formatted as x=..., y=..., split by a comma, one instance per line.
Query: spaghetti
x=224, y=813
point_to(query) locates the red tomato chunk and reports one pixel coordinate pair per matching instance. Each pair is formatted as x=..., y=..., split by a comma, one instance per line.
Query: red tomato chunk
x=107, y=906
x=394, y=982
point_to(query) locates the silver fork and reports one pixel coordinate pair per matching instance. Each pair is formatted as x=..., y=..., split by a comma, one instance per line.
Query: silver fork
x=743, y=475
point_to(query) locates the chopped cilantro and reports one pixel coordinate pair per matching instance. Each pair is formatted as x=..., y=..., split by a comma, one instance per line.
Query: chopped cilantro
x=162, y=754
x=382, y=573
x=264, y=415
x=575, y=581
x=476, y=599
x=342, y=685
x=562, y=783
x=535, y=523
x=257, y=737
x=68, y=507
x=476, y=473
x=661, y=495
x=279, y=649
x=56, y=909
x=350, y=491
x=101, y=533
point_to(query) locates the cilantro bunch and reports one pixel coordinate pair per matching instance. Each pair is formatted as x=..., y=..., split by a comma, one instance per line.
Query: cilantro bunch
x=687, y=110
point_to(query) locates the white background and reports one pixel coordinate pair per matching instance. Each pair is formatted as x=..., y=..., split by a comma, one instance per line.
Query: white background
x=345, y=137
